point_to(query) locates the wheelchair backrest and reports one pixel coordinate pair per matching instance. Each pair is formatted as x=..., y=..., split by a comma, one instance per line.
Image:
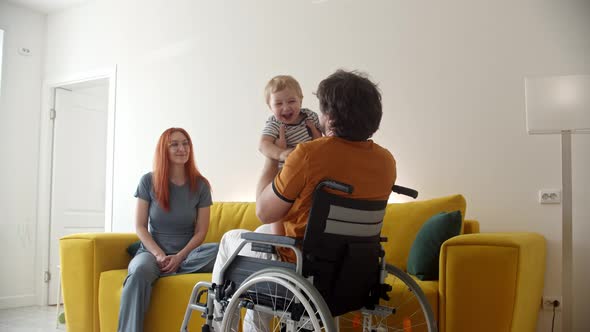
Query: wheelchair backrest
x=342, y=250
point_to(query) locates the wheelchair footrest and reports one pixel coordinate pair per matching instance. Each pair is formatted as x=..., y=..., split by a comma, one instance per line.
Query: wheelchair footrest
x=379, y=310
x=199, y=307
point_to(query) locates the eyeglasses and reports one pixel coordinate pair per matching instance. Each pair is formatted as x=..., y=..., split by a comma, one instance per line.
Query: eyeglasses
x=175, y=145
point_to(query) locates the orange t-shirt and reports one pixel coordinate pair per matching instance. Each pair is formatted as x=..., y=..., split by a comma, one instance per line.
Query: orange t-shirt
x=365, y=165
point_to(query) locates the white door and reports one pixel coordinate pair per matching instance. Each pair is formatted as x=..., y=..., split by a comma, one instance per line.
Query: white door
x=79, y=165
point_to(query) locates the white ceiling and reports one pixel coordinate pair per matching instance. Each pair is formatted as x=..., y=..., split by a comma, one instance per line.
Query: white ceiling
x=47, y=6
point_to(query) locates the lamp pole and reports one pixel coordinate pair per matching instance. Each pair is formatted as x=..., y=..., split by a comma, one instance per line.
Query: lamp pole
x=561, y=105
x=567, y=230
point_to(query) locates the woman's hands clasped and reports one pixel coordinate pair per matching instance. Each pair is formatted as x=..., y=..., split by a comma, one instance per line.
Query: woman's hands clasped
x=169, y=264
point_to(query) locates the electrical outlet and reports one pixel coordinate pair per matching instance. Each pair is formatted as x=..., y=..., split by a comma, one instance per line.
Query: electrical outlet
x=549, y=196
x=25, y=51
x=549, y=302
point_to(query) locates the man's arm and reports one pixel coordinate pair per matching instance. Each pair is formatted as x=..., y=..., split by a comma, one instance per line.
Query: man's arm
x=270, y=208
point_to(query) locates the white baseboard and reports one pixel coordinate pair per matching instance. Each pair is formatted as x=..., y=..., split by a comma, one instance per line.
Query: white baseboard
x=18, y=301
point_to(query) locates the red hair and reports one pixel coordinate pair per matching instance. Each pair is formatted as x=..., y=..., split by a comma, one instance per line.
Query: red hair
x=161, y=174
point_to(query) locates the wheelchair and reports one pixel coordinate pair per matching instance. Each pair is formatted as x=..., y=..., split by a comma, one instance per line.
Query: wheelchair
x=340, y=281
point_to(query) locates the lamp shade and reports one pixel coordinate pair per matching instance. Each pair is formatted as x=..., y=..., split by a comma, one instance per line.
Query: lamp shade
x=557, y=103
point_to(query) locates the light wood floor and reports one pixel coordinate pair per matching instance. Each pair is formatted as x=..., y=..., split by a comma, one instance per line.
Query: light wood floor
x=29, y=319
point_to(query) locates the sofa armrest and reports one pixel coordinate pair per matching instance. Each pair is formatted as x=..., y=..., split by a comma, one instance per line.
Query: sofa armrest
x=491, y=282
x=470, y=226
x=83, y=257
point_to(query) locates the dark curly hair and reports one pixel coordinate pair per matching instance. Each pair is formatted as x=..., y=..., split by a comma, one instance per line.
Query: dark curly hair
x=352, y=103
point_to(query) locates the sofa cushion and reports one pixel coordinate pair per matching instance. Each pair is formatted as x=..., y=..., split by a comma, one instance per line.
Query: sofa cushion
x=403, y=221
x=170, y=296
x=226, y=216
x=424, y=254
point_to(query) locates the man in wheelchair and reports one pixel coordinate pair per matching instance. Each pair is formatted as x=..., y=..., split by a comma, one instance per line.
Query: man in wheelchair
x=340, y=183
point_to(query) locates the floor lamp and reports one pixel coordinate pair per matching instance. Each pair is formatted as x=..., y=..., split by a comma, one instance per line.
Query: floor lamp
x=561, y=105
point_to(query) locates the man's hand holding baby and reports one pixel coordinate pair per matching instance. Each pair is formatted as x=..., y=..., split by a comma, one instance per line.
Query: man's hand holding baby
x=315, y=132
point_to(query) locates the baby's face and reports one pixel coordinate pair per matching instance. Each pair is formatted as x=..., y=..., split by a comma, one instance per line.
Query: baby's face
x=285, y=105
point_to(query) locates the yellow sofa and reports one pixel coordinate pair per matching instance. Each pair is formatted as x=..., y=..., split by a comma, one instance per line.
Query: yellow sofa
x=488, y=282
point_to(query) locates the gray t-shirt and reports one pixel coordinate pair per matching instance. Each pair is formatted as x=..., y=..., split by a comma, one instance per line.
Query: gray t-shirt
x=174, y=228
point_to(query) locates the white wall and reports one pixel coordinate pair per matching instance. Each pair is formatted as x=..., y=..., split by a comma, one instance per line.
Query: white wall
x=19, y=148
x=451, y=74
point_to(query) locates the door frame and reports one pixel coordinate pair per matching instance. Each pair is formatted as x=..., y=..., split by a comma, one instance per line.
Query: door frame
x=46, y=165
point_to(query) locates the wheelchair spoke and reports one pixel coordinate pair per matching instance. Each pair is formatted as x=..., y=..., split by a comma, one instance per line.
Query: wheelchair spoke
x=276, y=300
x=291, y=303
x=405, y=311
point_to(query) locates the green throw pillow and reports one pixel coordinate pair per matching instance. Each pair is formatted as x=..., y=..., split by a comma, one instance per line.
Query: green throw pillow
x=133, y=247
x=425, y=252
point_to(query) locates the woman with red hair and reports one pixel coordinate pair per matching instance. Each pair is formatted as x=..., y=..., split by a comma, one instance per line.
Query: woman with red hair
x=174, y=201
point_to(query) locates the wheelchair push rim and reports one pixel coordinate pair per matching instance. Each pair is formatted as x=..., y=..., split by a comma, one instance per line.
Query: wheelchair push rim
x=303, y=296
x=407, y=310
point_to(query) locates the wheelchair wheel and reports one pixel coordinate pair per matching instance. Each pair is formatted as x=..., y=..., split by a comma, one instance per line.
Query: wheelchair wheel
x=277, y=299
x=407, y=309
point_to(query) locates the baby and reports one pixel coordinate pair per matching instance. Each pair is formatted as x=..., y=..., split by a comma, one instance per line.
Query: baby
x=289, y=124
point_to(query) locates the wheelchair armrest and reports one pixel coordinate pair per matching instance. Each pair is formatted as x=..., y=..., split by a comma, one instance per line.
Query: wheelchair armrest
x=270, y=238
